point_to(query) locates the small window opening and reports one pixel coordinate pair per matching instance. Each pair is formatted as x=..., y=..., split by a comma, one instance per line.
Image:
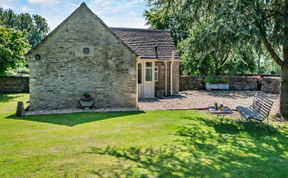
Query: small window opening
x=86, y=50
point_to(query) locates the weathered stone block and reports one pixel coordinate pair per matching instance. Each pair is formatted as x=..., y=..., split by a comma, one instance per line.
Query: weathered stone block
x=242, y=82
x=271, y=85
x=191, y=83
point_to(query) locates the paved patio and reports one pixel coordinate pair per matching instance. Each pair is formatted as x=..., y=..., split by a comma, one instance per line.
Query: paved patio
x=203, y=99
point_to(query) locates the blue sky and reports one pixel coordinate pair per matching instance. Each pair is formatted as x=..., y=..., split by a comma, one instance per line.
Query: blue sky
x=115, y=13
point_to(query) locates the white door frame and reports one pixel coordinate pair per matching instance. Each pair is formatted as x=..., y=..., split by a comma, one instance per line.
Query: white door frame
x=147, y=88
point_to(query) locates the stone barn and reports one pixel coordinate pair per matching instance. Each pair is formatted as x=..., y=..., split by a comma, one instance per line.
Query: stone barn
x=116, y=66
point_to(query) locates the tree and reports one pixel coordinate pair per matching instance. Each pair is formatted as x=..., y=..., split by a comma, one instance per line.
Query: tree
x=244, y=22
x=34, y=26
x=38, y=31
x=13, y=46
x=216, y=60
x=195, y=61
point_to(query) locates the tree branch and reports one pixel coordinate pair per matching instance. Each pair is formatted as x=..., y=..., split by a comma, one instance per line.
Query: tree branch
x=264, y=39
x=271, y=51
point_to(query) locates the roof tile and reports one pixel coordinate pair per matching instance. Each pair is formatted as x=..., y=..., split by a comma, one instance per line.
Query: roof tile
x=144, y=41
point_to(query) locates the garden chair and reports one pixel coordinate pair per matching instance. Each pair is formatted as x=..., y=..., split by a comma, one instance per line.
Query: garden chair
x=259, y=110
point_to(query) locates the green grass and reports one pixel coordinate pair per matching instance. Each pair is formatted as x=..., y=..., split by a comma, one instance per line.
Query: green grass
x=137, y=144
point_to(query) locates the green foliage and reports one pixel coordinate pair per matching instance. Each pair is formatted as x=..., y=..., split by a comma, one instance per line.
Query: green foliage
x=13, y=46
x=86, y=94
x=268, y=66
x=215, y=80
x=222, y=37
x=21, y=70
x=156, y=16
x=34, y=26
x=199, y=59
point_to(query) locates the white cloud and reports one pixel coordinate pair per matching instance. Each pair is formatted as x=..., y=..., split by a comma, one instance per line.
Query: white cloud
x=43, y=1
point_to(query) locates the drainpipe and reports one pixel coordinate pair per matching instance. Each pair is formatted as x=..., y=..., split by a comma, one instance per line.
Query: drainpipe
x=165, y=64
x=171, y=74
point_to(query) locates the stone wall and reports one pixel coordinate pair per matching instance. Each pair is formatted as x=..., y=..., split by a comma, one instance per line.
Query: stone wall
x=265, y=83
x=271, y=85
x=82, y=55
x=243, y=82
x=10, y=84
x=191, y=83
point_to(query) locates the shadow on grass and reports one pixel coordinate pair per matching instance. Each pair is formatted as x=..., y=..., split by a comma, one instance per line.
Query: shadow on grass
x=74, y=118
x=7, y=98
x=206, y=148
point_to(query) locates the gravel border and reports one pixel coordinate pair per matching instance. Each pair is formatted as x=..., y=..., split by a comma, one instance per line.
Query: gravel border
x=68, y=111
x=191, y=99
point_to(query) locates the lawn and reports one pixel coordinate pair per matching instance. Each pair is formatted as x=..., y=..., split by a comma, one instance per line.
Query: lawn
x=182, y=143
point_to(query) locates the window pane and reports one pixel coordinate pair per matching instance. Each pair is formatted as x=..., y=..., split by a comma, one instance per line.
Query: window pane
x=156, y=73
x=139, y=73
x=148, y=74
x=148, y=64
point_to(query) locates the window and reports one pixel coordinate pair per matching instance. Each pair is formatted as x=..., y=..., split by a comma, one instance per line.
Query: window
x=148, y=77
x=139, y=73
x=156, y=73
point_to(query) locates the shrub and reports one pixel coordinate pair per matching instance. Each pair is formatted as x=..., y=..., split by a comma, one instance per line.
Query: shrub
x=215, y=80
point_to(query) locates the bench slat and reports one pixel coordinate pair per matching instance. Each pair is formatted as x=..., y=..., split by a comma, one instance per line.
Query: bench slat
x=259, y=110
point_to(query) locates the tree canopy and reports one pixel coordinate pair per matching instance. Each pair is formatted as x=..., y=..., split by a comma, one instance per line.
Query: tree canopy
x=191, y=38
x=16, y=31
x=13, y=46
x=35, y=27
x=230, y=27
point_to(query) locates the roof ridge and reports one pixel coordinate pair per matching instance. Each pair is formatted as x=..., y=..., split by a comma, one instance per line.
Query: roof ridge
x=138, y=29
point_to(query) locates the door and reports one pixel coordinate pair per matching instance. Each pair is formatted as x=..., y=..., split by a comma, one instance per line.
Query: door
x=148, y=80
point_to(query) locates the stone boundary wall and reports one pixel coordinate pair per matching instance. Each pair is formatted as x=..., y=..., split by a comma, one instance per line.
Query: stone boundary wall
x=267, y=84
x=12, y=84
x=271, y=85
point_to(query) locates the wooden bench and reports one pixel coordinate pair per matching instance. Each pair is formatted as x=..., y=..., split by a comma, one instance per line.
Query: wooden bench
x=259, y=110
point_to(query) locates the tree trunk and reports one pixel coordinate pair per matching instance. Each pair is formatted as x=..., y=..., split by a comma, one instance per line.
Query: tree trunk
x=284, y=93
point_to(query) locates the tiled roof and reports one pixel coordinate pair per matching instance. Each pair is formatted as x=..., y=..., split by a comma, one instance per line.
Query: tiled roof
x=144, y=42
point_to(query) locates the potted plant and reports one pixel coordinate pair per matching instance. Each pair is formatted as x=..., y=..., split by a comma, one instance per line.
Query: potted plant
x=86, y=101
x=216, y=83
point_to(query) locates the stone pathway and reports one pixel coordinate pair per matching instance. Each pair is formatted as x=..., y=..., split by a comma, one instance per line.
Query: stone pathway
x=204, y=99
